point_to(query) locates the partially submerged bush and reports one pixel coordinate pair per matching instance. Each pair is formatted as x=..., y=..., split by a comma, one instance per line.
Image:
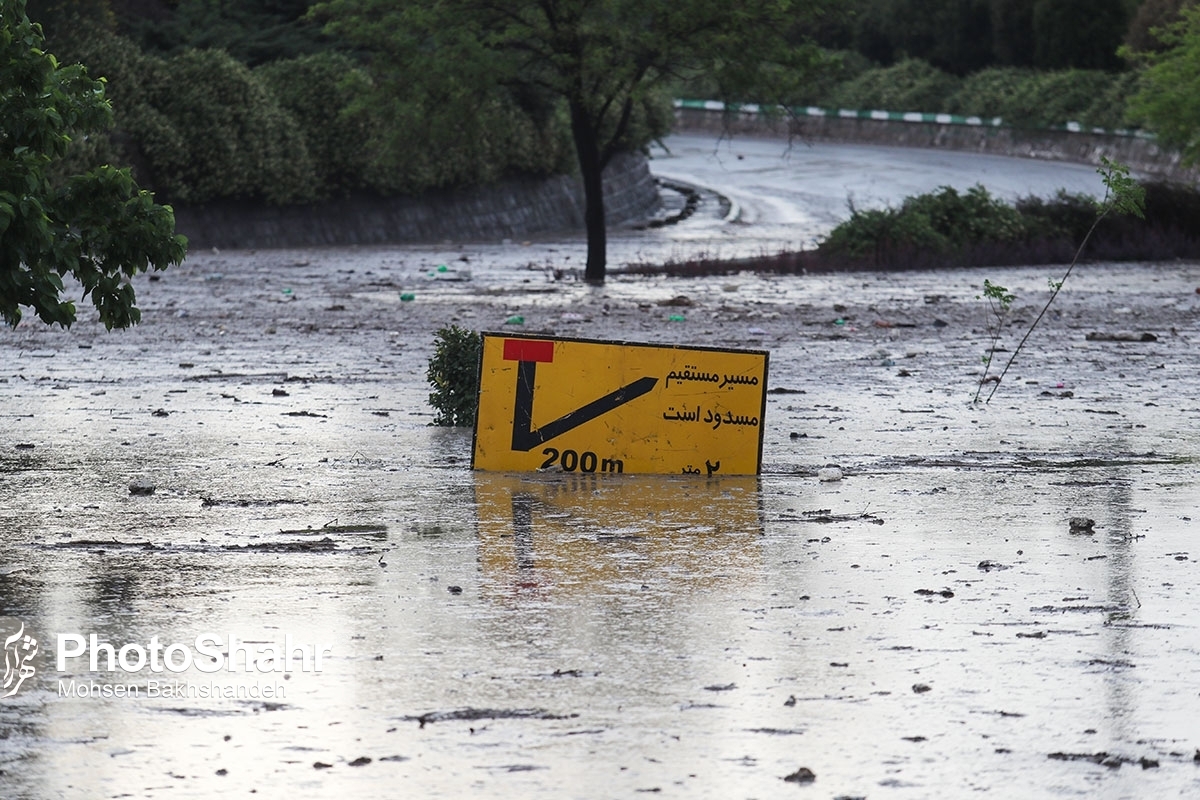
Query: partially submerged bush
x=950, y=228
x=945, y=223
x=454, y=375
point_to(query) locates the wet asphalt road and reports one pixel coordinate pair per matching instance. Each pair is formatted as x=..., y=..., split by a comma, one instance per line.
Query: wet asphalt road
x=929, y=626
x=785, y=196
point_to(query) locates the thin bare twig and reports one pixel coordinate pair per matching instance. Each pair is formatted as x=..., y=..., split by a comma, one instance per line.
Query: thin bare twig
x=1121, y=194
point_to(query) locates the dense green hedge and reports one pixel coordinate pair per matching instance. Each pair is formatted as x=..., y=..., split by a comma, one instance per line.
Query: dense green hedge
x=1024, y=97
x=321, y=93
x=199, y=126
x=910, y=85
x=945, y=222
x=236, y=139
x=1018, y=96
x=297, y=122
x=952, y=228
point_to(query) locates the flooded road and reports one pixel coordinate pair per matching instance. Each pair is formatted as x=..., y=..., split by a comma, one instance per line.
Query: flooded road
x=930, y=625
x=785, y=196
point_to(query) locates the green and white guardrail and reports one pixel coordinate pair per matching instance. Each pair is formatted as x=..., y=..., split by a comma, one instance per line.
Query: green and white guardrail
x=754, y=109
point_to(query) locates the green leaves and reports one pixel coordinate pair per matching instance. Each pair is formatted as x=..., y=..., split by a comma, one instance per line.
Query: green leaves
x=908, y=85
x=454, y=375
x=999, y=294
x=98, y=228
x=1169, y=97
x=446, y=98
x=483, y=80
x=234, y=139
x=946, y=222
x=1123, y=194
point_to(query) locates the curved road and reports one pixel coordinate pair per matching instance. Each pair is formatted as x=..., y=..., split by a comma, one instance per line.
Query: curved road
x=785, y=196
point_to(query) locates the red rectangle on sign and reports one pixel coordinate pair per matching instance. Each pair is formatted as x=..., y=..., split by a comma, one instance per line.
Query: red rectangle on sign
x=528, y=350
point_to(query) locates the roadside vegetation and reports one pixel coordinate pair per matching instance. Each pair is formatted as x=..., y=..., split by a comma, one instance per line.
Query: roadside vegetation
x=290, y=101
x=453, y=376
x=295, y=101
x=974, y=228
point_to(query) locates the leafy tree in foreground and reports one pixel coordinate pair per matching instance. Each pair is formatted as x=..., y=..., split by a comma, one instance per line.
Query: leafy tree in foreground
x=97, y=227
x=600, y=59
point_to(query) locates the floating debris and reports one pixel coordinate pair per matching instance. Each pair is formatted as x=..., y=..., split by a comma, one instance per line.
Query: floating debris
x=1082, y=525
x=802, y=775
x=475, y=714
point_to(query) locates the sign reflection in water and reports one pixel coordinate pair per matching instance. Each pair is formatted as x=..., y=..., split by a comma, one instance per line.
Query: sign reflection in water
x=564, y=534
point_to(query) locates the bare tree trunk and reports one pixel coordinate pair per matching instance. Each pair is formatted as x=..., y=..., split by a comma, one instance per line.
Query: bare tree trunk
x=591, y=169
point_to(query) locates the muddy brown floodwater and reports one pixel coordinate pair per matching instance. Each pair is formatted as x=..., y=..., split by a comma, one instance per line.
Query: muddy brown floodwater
x=932, y=625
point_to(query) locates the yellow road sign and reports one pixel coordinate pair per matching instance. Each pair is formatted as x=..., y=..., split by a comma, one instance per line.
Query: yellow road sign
x=588, y=406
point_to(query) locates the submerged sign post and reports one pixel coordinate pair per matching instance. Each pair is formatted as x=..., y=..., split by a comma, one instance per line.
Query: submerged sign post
x=588, y=406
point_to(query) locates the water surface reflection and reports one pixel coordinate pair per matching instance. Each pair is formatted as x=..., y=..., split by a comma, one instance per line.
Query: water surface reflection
x=559, y=535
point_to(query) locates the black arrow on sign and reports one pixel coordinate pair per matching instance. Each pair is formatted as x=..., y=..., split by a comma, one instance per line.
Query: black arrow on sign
x=525, y=437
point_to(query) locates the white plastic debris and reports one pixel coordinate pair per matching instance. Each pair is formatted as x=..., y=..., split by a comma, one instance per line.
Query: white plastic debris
x=830, y=473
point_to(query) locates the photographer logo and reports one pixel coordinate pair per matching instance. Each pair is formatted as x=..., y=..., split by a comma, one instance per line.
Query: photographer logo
x=20, y=650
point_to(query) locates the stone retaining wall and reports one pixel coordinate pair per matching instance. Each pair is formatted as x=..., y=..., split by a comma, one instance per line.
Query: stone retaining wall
x=1142, y=154
x=511, y=209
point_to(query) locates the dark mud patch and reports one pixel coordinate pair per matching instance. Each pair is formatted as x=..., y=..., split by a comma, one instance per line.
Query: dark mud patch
x=567, y=673
x=367, y=528
x=201, y=712
x=261, y=377
x=100, y=544
x=476, y=714
x=25, y=460
x=322, y=545
x=825, y=516
x=1105, y=759
x=247, y=707
x=1109, y=609
x=214, y=502
x=269, y=377
x=1109, y=664
x=1120, y=336
x=802, y=775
